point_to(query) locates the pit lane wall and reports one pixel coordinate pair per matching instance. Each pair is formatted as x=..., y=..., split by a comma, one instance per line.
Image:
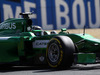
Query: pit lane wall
x=55, y=14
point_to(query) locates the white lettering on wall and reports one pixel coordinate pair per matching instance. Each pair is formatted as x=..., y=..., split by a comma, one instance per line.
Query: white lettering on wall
x=44, y=16
x=18, y=10
x=63, y=14
x=28, y=6
x=82, y=14
x=8, y=11
x=96, y=25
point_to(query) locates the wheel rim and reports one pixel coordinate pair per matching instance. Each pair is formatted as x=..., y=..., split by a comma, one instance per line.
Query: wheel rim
x=53, y=52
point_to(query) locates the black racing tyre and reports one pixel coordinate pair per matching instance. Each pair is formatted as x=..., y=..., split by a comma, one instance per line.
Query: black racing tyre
x=60, y=51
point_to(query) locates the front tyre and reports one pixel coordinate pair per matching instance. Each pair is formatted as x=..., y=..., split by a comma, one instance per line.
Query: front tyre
x=60, y=51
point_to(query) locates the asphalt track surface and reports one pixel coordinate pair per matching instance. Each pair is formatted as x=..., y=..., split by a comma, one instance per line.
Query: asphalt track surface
x=74, y=70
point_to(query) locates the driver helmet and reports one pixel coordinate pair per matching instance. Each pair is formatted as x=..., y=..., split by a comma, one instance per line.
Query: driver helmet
x=36, y=28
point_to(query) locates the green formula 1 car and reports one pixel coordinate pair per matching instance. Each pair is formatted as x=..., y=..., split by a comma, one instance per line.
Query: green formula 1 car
x=24, y=44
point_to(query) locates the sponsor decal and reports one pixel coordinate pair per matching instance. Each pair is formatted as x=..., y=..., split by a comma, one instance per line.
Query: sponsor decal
x=7, y=26
x=40, y=43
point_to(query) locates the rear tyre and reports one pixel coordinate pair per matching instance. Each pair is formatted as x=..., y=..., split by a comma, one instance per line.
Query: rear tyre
x=60, y=51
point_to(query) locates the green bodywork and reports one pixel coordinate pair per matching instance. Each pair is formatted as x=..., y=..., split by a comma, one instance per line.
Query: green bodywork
x=16, y=42
x=86, y=58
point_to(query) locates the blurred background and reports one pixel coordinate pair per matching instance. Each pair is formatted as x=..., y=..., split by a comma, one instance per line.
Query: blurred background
x=55, y=14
